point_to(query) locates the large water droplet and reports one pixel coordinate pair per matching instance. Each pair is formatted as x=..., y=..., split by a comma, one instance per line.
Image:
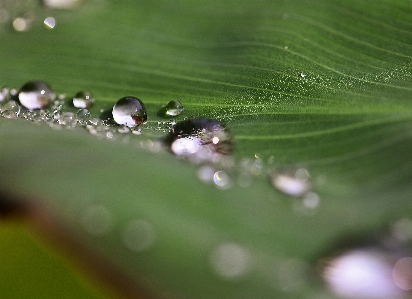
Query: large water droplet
x=173, y=108
x=83, y=99
x=363, y=273
x=129, y=111
x=36, y=95
x=200, y=139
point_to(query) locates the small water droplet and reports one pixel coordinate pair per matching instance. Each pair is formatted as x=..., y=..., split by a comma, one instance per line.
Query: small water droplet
x=123, y=130
x=68, y=119
x=36, y=95
x=97, y=220
x=139, y=235
x=49, y=22
x=10, y=107
x=200, y=139
x=289, y=184
x=129, y=111
x=303, y=75
x=222, y=179
x=83, y=99
x=173, y=108
x=4, y=94
x=231, y=260
x=83, y=116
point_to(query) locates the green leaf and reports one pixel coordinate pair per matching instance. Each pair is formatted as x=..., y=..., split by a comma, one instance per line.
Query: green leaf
x=324, y=85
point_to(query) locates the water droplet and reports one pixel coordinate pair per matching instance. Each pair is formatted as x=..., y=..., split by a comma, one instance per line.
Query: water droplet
x=83, y=99
x=129, y=111
x=61, y=4
x=221, y=179
x=10, y=108
x=231, y=260
x=173, y=108
x=50, y=22
x=68, y=119
x=4, y=94
x=123, y=130
x=97, y=220
x=139, y=235
x=200, y=139
x=363, y=273
x=303, y=75
x=83, y=116
x=36, y=95
x=289, y=184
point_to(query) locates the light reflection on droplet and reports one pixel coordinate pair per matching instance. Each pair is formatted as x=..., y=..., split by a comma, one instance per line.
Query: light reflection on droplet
x=186, y=146
x=129, y=111
x=221, y=179
x=62, y=4
x=289, y=185
x=173, y=108
x=139, y=235
x=362, y=274
x=97, y=220
x=36, y=95
x=231, y=260
x=49, y=22
x=402, y=273
x=83, y=99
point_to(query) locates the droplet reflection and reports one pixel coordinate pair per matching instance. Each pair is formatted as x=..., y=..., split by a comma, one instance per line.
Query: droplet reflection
x=36, y=95
x=129, y=111
x=49, y=22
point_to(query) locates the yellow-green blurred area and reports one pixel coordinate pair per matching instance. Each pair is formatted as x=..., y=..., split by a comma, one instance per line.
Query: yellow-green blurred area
x=31, y=269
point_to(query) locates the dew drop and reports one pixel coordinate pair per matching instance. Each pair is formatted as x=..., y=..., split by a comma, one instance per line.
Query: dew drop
x=83, y=116
x=303, y=75
x=200, y=139
x=139, y=235
x=68, y=119
x=230, y=260
x=362, y=273
x=129, y=111
x=83, y=99
x=173, y=108
x=61, y=4
x=49, y=22
x=221, y=179
x=36, y=95
x=289, y=184
x=9, y=108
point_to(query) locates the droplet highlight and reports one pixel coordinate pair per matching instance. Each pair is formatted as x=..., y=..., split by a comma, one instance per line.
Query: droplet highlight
x=36, y=95
x=129, y=111
x=83, y=99
x=200, y=139
x=173, y=108
x=49, y=22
